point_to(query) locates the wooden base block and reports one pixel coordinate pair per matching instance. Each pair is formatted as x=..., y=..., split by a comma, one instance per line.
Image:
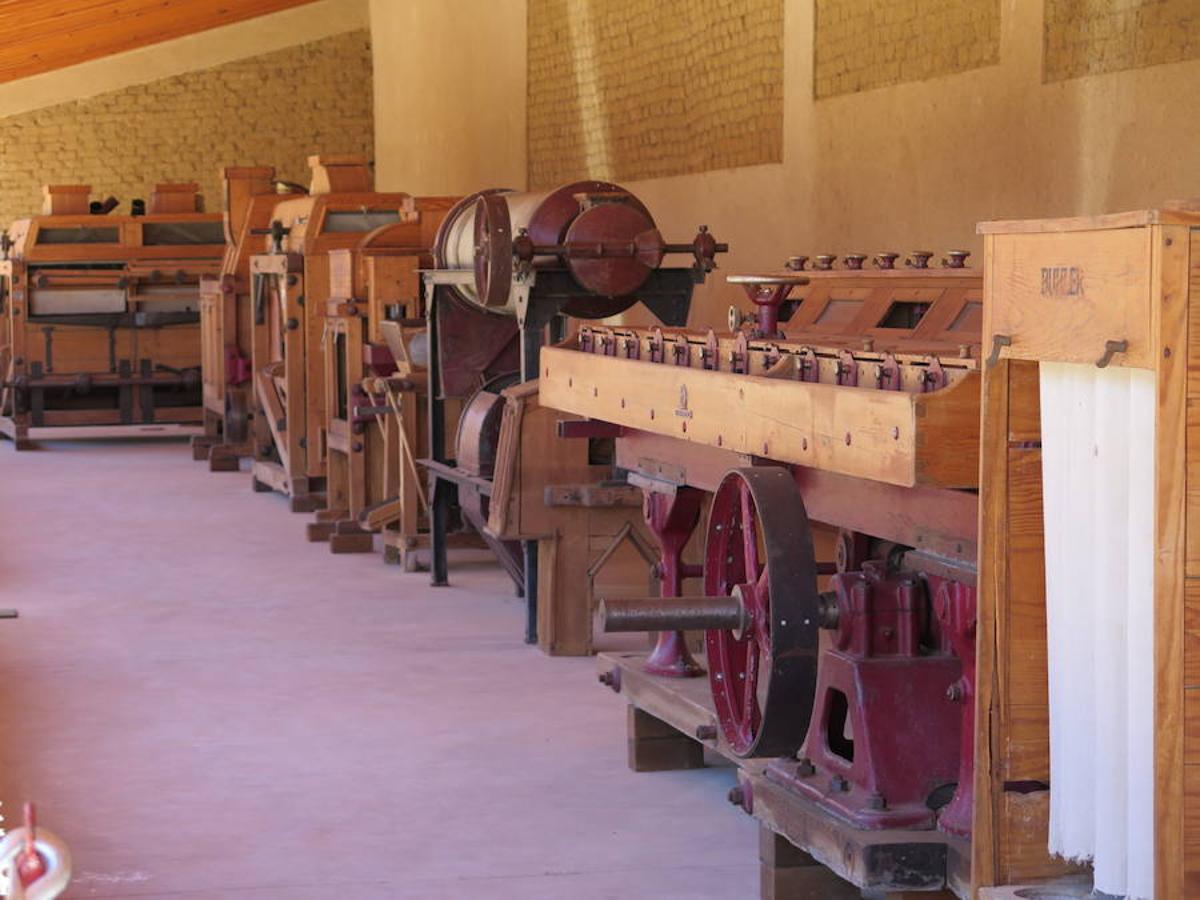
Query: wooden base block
x=1078, y=887
x=306, y=503
x=352, y=543
x=788, y=873
x=316, y=532
x=201, y=445
x=222, y=462
x=655, y=746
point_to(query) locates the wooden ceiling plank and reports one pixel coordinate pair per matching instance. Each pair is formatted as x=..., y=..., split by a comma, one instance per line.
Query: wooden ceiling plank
x=177, y=16
x=58, y=33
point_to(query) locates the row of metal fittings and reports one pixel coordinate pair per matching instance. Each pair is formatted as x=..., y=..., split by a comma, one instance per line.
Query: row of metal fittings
x=918, y=259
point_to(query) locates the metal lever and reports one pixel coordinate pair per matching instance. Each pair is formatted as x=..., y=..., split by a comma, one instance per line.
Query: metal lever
x=277, y=231
x=998, y=341
x=1111, y=348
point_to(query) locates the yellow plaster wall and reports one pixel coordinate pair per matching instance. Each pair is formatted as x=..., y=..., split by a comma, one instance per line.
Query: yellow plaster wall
x=918, y=164
x=449, y=94
x=622, y=89
x=274, y=109
x=1087, y=37
x=914, y=165
x=865, y=44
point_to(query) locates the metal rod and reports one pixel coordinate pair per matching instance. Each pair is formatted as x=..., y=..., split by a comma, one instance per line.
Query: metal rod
x=673, y=614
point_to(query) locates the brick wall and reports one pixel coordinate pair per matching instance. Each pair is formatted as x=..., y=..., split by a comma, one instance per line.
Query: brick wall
x=866, y=44
x=274, y=109
x=626, y=89
x=1089, y=37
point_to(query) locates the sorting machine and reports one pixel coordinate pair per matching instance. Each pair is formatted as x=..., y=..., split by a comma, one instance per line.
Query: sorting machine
x=101, y=313
x=510, y=270
x=289, y=290
x=226, y=330
x=1089, y=624
x=374, y=355
x=847, y=406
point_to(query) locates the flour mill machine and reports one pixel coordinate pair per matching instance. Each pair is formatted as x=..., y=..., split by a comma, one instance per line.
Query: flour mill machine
x=834, y=434
x=511, y=269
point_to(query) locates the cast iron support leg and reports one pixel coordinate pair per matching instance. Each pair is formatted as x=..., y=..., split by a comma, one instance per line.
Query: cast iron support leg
x=532, y=337
x=531, y=591
x=672, y=518
x=439, y=513
x=438, y=522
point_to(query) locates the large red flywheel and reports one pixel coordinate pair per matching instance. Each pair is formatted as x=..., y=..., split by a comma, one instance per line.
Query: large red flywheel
x=759, y=549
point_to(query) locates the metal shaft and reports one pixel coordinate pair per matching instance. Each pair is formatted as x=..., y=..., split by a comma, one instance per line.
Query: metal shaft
x=673, y=614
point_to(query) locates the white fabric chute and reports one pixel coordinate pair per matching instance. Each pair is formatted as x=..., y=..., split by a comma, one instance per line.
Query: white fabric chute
x=1098, y=488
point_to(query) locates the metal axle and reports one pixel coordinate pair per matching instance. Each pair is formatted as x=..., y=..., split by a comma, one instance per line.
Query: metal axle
x=674, y=614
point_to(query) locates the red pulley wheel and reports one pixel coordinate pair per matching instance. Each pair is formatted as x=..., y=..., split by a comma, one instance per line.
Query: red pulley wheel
x=763, y=676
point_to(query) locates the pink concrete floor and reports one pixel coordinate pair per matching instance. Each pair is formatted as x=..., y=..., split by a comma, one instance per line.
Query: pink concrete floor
x=204, y=705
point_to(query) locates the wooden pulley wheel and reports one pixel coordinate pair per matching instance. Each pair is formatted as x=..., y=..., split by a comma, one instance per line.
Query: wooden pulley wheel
x=759, y=548
x=478, y=438
x=493, y=250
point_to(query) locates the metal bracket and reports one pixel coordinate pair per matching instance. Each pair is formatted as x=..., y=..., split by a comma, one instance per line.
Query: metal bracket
x=1111, y=348
x=998, y=341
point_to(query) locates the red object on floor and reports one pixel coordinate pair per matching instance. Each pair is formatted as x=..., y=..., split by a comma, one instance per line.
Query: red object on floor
x=30, y=864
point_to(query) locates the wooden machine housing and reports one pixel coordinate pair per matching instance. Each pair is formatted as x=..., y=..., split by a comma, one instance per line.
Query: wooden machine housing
x=226, y=317
x=591, y=540
x=114, y=348
x=1132, y=278
x=374, y=387
x=290, y=288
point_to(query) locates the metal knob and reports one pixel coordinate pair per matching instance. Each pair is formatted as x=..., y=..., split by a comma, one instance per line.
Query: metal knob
x=737, y=318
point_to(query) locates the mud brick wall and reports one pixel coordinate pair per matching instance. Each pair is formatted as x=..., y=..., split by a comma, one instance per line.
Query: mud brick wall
x=866, y=44
x=1090, y=37
x=274, y=109
x=625, y=89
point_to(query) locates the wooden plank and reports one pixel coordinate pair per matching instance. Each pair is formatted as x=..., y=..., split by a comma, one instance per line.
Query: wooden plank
x=1191, y=633
x=990, y=749
x=1192, y=438
x=862, y=432
x=1182, y=214
x=1171, y=249
x=1023, y=842
x=96, y=432
x=42, y=35
x=1066, y=295
x=1025, y=418
x=1191, y=831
